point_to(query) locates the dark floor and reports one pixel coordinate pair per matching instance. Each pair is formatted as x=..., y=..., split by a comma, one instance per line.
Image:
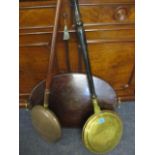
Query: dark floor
x=71, y=144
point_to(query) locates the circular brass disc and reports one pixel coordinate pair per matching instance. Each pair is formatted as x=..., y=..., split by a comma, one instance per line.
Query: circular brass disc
x=102, y=132
x=45, y=123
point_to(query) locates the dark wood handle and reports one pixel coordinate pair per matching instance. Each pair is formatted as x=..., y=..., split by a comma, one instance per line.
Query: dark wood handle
x=121, y=14
x=83, y=44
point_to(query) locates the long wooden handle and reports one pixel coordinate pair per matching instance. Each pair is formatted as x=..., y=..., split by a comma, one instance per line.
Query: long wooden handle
x=83, y=45
x=52, y=55
x=53, y=45
x=84, y=49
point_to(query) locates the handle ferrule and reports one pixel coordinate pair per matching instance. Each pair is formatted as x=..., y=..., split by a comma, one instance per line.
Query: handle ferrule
x=96, y=105
x=46, y=98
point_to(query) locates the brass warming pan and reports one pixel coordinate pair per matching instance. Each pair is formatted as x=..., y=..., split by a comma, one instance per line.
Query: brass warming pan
x=103, y=130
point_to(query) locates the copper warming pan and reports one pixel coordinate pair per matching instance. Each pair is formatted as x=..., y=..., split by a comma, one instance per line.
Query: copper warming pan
x=70, y=98
x=44, y=120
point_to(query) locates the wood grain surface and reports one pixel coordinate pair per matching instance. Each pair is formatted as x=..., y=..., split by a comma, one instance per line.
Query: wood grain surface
x=110, y=31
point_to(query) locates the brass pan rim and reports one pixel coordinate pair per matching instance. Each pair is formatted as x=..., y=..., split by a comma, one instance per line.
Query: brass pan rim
x=90, y=121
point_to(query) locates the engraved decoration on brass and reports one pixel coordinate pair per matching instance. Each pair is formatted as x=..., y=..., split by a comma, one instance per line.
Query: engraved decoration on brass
x=102, y=132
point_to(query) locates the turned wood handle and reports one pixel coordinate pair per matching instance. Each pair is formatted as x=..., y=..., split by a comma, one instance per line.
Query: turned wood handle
x=53, y=45
x=121, y=14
